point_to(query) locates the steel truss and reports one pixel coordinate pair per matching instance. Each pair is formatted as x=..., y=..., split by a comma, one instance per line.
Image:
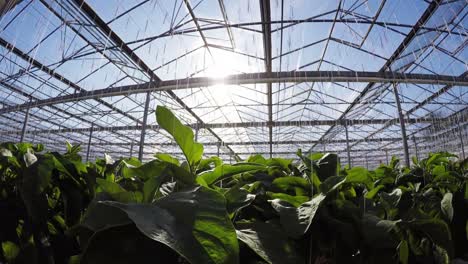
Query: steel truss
x=30, y=118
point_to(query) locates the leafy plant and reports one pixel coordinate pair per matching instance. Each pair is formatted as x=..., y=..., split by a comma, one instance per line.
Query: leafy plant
x=200, y=210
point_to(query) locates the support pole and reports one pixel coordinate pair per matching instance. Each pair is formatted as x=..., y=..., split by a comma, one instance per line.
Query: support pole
x=196, y=132
x=367, y=162
x=220, y=182
x=416, y=148
x=131, y=149
x=402, y=125
x=347, y=145
x=89, y=141
x=386, y=156
x=143, y=126
x=461, y=139
x=25, y=124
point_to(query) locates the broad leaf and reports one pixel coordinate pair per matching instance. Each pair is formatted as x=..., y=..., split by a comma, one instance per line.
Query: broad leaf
x=295, y=200
x=194, y=223
x=117, y=192
x=290, y=183
x=376, y=232
x=436, y=229
x=5, y=152
x=269, y=242
x=123, y=245
x=29, y=158
x=226, y=170
x=10, y=251
x=403, y=252
x=446, y=205
x=296, y=221
x=373, y=192
x=359, y=175
x=167, y=158
x=237, y=198
x=205, y=163
x=183, y=135
x=327, y=166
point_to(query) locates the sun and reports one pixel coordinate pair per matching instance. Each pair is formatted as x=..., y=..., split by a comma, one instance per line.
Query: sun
x=224, y=63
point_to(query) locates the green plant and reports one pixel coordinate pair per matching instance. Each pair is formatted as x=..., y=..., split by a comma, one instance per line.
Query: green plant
x=42, y=196
x=201, y=210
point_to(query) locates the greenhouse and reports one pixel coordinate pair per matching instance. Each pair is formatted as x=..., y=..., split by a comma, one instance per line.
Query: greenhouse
x=144, y=99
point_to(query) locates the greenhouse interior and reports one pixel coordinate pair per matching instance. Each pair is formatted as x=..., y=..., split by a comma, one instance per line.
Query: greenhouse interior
x=373, y=83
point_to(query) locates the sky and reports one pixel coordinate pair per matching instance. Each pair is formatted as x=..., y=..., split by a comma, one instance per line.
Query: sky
x=227, y=104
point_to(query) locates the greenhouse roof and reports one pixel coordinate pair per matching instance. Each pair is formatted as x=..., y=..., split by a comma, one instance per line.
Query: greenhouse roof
x=266, y=77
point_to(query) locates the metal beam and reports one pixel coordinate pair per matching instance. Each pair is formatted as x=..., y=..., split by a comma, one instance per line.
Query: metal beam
x=89, y=142
x=196, y=127
x=416, y=107
x=25, y=125
x=461, y=139
x=248, y=78
x=402, y=126
x=250, y=143
x=88, y=10
x=143, y=127
x=7, y=5
x=266, y=33
x=415, y=148
x=56, y=75
x=396, y=54
x=347, y=145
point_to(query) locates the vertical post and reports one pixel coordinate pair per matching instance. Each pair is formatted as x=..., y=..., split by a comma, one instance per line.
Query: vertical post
x=143, y=126
x=402, y=125
x=416, y=148
x=25, y=125
x=131, y=149
x=220, y=182
x=89, y=141
x=367, y=162
x=461, y=139
x=386, y=156
x=347, y=145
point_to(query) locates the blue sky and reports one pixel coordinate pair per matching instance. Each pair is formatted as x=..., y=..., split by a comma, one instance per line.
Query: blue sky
x=247, y=103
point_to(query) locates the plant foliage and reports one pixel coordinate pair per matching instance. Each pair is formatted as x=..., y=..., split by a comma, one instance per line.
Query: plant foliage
x=55, y=208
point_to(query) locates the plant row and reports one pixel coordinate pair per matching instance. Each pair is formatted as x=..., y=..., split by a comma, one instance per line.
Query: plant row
x=55, y=208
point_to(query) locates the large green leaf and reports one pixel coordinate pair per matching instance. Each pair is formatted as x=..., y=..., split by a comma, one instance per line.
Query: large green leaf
x=10, y=250
x=183, y=135
x=205, y=163
x=374, y=191
x=328, y=165
x=269, y=242
x=359, y=175
x=237, y=198
x=29, y=158
x=295, y=200
x=376, y=232
x=167, y=158
x=296, y=221
x=446, y=205
x=125, y=244
x=117, y=192
x=403, y=252
x=437, y=230
x=290, y=183
x=226, y=170
x=194, y=223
